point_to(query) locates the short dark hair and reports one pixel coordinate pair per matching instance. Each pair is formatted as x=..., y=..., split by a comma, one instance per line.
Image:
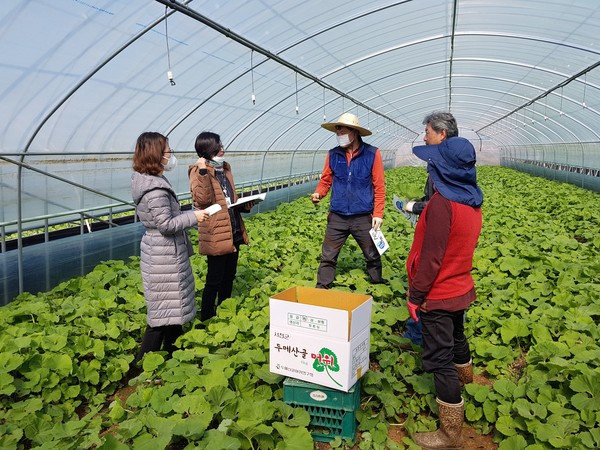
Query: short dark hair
x=149, y=150
x=208, y=145
x=441, y=120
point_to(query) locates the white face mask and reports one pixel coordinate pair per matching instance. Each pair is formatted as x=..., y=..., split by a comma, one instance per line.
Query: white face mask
x=343, y=140
x=171, y=162
x=219, y=159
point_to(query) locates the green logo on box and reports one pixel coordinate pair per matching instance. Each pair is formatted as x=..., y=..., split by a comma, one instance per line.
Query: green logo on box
x=326, y=361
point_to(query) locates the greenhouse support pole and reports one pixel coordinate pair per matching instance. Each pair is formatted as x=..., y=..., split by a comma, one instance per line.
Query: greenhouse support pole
x=290, y=175
x=20, y=228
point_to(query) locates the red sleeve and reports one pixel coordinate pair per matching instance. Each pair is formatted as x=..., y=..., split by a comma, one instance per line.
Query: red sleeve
x=378, y=185
x=326, y=179
x=435, y=241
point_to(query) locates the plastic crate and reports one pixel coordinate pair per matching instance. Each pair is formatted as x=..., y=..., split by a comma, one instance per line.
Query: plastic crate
x=332, y=413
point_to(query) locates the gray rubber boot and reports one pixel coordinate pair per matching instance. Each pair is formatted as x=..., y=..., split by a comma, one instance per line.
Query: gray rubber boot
x=449, y=435
x=465, y=372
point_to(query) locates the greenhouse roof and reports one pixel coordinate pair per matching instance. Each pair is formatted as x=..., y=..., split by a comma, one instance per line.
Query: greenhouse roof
x=86, y=76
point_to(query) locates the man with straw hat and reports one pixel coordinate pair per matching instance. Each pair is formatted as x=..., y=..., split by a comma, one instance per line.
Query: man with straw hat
x=354, y=172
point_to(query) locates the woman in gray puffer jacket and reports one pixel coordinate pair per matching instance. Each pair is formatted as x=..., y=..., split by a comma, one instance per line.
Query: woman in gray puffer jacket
x=165, y=248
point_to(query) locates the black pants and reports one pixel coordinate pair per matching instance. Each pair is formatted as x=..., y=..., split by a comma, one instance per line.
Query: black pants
x=444, y=344
x=337, y=232
x=157, y=338
x=219, y=282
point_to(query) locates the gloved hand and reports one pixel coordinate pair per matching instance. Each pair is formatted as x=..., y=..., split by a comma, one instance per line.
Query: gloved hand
x=412, y=310
x=315, y=198
x=399, y=203
x=376, y=223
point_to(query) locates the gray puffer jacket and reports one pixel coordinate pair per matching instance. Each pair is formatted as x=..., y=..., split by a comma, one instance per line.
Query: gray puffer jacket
x=165, y=252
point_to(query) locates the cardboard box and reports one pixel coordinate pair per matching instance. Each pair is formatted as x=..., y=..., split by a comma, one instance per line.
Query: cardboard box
x=320, y=336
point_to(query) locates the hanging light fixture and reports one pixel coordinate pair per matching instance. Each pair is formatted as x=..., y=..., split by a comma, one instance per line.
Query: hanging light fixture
x=169, y=71
x=252, y=76
x=297, y=111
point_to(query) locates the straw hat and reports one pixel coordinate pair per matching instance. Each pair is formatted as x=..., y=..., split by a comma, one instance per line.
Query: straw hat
x=347, y=120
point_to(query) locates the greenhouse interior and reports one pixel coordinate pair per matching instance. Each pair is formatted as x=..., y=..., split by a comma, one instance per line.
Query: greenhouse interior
x=83, y=79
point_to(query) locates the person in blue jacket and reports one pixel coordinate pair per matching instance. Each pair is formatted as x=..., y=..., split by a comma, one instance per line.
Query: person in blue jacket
x=354, y=172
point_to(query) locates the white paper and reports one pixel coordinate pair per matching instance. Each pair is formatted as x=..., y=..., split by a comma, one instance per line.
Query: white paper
x=250, y=198
x=380, y=241
x=213, y=209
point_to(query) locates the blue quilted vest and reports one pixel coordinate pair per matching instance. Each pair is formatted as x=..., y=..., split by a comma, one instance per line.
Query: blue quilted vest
x=352, y=188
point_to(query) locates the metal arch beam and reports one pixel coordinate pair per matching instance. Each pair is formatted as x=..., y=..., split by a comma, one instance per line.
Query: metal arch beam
x=294, y=124
x=453, y=36
x=340, y=23
x=525, y=125
x=536, y=112
x=461, y=34
x=517, y=130
x=43, y=122
x=549, y=91
x=546, y=127
x=241, y=75
x=499, y=61
x=494, y=79
x=175, y=5
x=89, y=75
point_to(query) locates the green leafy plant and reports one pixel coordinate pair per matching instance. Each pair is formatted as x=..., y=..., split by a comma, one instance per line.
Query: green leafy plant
x=533, y=333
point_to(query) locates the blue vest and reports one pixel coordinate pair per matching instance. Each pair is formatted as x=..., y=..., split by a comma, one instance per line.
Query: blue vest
x=352, y=187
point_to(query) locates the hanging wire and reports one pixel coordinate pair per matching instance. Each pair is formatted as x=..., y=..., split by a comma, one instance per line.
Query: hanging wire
x=169, y=71
x=546, y=108
x=584, y=86
x=297, y=111
x=561, y=99
x=252, y=76
x=324, y=115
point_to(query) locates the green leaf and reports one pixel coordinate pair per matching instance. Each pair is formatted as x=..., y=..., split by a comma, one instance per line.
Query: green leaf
x=513, y=443
x=116, y=411
x=152, y=361
x=513, y=265
x=109, y=442
x=192, y=427
x=529, y=410
x=506, y=425
x=505, y=388
x=293, y=438
x=591, y=438
x=513, y=328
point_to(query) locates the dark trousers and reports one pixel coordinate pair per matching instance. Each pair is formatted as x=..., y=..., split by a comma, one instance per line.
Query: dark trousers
x=219, y=282
x=444, y=344
x=337, y=232
x=157, y=338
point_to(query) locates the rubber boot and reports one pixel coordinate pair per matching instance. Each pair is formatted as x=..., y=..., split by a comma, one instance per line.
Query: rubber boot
x=465, y=372
x=449, y=435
